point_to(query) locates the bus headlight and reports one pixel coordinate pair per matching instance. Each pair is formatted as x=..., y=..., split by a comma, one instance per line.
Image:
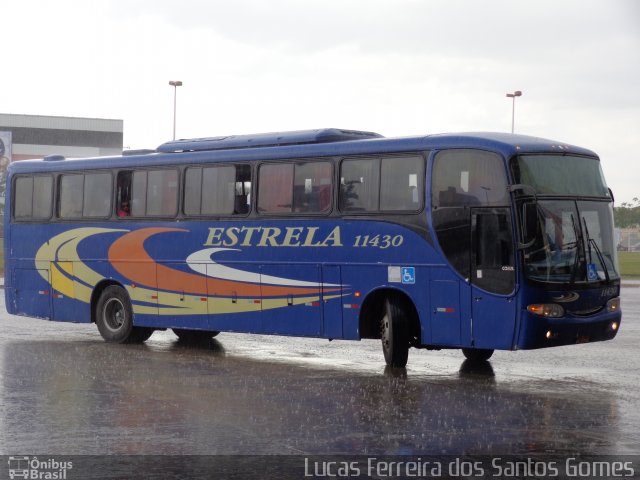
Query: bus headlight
x=613, y=305
x=546, y=310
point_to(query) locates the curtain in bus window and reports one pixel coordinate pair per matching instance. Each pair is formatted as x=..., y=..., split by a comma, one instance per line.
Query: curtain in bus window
x=275, y=193
x=193, y=191
x=218, y=190
x=401, y=183
x=71, y=192
x=312, y=187
x=97, y=195
x=139, y=194
x=468, y=177
x=359, y=185
x=23, y=198
x=162, y=192
x=42, y=197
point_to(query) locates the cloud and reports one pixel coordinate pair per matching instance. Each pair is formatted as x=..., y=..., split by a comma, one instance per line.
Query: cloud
x=398, y=67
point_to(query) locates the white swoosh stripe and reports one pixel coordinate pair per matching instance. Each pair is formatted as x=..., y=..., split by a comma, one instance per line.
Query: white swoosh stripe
x=202, y=262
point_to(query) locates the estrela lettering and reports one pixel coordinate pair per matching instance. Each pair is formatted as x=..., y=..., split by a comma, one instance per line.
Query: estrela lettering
x=272, y=237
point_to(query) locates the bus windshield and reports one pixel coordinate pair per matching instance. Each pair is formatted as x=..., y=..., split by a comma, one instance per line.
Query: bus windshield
x=561, y=175
x=573, y=243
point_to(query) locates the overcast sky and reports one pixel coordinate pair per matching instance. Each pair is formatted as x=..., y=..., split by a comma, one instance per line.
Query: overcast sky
x=396, y=67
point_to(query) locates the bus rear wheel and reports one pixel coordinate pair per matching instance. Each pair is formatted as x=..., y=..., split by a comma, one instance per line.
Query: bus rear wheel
x=394, y=332
x=477, y=354
x=194, y=336
x=114, y=318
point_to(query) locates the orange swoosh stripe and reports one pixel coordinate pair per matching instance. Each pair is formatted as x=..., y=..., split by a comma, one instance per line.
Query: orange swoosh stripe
x=130, y=259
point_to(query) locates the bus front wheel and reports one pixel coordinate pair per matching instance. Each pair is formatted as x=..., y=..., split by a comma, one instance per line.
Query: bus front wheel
x=394, y=332
x=114, y=318
x=477, y=354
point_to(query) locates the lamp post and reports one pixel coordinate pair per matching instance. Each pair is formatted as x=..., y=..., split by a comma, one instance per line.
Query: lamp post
x=513, y=96
x=175, y=84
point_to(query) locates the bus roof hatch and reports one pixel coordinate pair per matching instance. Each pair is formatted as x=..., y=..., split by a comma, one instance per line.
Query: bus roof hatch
x=300, y=137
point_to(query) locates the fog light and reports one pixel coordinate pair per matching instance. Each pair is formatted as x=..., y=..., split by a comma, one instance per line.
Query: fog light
x=614, y=326
x=549, y=334
x=546, y=310
x=613, y=305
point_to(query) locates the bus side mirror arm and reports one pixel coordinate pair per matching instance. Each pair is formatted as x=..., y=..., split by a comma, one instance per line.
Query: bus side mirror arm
x=522, y=186
x=529, y=215
x=524, y=246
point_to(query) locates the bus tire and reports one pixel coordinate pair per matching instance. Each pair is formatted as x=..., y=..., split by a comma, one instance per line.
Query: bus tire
x=114, y=318
x=394, y=333
x=477, y=354
x=194, y=336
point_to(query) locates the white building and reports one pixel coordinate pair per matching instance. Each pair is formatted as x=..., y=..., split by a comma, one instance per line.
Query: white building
x=35, y=136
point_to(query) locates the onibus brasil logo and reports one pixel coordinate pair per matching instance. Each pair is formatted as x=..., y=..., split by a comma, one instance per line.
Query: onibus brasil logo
x=40, y=469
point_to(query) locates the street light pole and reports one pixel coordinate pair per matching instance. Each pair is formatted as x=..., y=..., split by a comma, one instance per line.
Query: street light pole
x=513, y=96
x=175, y=84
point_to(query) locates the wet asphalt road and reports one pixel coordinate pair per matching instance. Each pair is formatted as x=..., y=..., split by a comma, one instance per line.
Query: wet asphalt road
x=64, y=391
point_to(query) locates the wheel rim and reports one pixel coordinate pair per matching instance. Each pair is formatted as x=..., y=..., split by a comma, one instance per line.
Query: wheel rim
x=114, y=314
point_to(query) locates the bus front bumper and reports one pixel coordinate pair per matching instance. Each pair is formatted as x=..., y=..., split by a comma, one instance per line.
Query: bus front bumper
x=542, y=332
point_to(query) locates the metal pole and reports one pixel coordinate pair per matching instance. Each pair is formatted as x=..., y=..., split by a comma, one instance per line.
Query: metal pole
x=175, y=95
x=513, y=96
x=175, y=84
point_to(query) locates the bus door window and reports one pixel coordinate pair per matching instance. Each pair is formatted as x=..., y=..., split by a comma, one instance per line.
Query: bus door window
x=493, y=257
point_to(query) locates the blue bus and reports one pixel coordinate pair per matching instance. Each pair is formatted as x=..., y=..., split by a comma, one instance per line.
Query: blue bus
x=472, y=241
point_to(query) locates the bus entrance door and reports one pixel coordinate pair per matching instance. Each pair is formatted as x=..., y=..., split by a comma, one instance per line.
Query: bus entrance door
x=493, y=279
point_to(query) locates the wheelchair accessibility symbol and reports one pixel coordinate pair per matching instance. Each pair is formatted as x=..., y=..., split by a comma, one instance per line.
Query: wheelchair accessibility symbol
x=592, y=272
x=408, y=275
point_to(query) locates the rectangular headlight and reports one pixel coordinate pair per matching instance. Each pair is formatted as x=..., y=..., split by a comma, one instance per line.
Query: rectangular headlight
x=546, y=310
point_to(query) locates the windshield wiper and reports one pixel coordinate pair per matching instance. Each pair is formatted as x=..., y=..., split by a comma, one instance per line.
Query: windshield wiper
x=591, y=241
x=574, y=269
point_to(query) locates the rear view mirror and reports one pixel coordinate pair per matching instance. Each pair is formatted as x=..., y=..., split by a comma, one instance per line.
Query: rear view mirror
x=529, y=224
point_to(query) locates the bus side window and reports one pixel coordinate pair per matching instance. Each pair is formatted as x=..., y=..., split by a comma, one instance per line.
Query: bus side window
x=276, y=188
x=98, y=190
x=461, y=179
x=123, y=194
x=33, y=197
x=242, y=199
x=401, y=183
x=70, y=197
x=217, y=190
x=312, y=187
x=360, y=185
